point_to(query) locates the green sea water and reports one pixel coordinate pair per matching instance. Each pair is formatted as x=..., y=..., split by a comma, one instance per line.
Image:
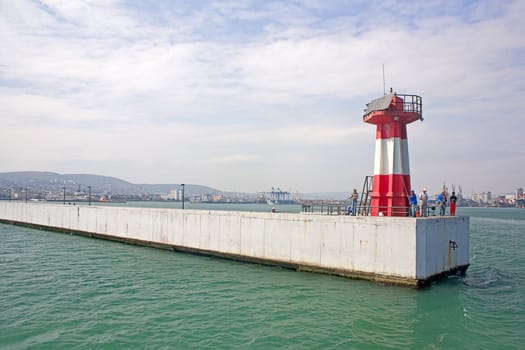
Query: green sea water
x=59, y=291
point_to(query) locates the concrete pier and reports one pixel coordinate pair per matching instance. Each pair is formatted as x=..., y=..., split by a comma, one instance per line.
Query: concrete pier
x=394, y=250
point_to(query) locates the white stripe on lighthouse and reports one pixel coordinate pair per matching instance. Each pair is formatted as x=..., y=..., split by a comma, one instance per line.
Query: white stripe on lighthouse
x=391, y=156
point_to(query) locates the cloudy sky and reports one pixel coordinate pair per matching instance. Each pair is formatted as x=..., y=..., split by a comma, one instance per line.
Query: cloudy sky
x=246, y=95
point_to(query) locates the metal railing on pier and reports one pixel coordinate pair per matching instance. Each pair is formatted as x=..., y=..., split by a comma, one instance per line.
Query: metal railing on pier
x=344, y=208
x=329, y=208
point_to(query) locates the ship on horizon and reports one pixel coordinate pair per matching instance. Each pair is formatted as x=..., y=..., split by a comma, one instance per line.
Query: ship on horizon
x=276, y=196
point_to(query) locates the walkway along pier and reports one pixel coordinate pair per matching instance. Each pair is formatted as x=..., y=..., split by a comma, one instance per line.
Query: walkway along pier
x=394, y=250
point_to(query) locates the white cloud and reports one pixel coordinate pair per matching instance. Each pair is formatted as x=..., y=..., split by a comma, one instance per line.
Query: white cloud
x=236, y=159
x=187, y=89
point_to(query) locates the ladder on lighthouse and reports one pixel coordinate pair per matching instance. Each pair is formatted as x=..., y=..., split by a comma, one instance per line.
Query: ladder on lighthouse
x=366, y=196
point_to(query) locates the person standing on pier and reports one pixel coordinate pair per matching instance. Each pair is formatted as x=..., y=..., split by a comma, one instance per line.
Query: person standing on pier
x=412, y=199
x=354, y=198
x=423, y=199
x=453, y=200
x=442, y=200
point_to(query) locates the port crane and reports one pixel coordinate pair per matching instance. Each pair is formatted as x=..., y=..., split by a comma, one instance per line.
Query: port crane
x=277, y=196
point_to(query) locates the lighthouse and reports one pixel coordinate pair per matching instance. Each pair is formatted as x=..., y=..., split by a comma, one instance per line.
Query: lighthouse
x=391, y=183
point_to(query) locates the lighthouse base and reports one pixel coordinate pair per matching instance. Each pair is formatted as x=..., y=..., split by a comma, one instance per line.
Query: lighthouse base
x=394, y=250
x=389, y=196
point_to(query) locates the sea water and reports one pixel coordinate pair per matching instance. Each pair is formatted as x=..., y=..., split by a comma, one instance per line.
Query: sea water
x=59, y=291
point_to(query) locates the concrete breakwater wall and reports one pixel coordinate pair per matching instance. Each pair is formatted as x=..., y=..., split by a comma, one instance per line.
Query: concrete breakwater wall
x=405, y=251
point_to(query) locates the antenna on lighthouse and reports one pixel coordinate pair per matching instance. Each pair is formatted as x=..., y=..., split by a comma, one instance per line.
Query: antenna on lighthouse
x=384, y=88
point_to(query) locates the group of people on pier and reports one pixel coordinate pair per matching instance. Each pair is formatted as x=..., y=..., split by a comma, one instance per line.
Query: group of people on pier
x=419, y=204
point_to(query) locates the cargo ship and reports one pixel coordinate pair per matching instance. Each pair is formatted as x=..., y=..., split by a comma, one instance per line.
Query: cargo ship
x=276, y=196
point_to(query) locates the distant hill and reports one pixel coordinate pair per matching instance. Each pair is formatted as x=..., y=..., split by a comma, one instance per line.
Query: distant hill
x=39, y=181
x=47, y=181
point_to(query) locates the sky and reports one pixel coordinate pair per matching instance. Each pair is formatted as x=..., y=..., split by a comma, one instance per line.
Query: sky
x=247, y=95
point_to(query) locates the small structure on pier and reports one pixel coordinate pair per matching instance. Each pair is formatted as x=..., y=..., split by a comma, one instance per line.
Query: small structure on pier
x=391, y=183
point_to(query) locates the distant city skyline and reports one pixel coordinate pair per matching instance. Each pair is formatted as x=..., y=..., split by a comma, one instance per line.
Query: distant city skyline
x=248, y=95
x=46, y=182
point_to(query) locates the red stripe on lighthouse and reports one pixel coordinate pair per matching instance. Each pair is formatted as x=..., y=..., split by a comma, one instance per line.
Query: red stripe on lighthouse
x=392, y=129
x=389, y=196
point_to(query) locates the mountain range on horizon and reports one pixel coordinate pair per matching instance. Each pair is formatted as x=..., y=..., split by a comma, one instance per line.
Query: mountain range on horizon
x=55, y=182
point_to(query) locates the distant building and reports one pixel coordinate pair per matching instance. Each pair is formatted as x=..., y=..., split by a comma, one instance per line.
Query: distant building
x=482, y=198
x=173, y=195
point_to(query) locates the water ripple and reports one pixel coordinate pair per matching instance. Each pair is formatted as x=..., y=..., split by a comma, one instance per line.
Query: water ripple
x=66, y=292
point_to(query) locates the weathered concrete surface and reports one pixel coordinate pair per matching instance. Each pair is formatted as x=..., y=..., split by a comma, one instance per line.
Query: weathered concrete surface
x=405, y=251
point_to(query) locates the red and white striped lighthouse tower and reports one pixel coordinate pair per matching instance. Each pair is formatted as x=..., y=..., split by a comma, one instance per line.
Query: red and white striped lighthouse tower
x=391, y=185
